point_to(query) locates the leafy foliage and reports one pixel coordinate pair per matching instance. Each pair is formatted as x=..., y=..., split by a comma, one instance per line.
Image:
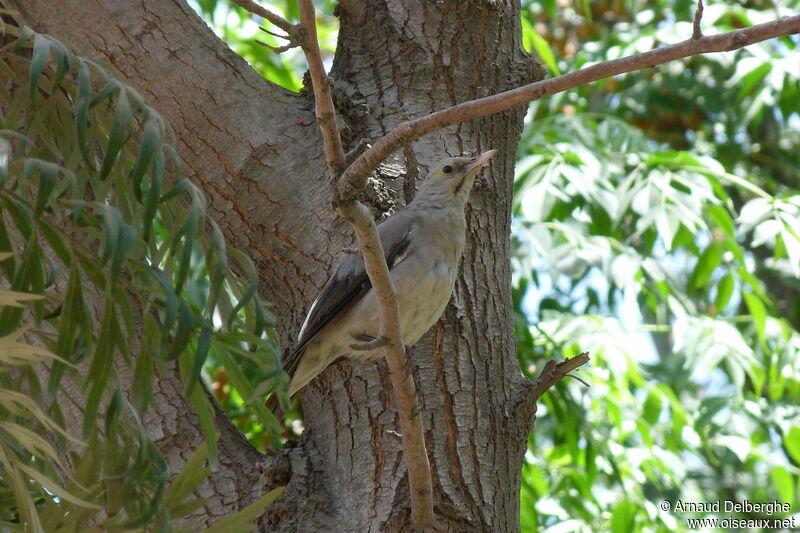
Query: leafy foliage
x=115, y=274
x=656, y=227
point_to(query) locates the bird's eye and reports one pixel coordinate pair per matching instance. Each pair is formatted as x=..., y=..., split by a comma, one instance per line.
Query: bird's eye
x=447, y=169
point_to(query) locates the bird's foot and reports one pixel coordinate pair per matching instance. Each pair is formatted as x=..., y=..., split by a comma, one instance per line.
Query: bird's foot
x=371, y=344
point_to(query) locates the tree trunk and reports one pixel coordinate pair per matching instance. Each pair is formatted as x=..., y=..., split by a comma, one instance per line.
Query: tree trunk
x=260, y=166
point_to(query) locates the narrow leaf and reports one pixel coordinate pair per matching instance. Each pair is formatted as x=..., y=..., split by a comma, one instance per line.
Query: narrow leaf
x=41, y=53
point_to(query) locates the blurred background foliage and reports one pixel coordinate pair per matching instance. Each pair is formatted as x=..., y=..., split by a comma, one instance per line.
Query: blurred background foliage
x=657, y=226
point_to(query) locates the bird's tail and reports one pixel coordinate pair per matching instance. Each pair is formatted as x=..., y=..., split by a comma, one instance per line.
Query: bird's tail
x=290, y=364
x=273, y=405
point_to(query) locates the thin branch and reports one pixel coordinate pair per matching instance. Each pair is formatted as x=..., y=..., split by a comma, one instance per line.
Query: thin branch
x=354, y=179
x=554, y=372
x=405, y=392
x=325, y=112
x=276, y=49
x=698, y=16
x=416, y=457
x=251, y=7
x=278, y=35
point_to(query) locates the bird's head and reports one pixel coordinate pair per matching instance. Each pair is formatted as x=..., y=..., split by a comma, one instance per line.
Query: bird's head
x=455, y=176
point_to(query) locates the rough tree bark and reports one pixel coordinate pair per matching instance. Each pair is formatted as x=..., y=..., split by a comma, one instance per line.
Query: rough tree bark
x=264, y=174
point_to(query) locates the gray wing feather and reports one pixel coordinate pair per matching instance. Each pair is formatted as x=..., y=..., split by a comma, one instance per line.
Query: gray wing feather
x=350, y=282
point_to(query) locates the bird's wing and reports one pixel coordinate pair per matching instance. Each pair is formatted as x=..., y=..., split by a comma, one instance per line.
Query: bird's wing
x=350, y=282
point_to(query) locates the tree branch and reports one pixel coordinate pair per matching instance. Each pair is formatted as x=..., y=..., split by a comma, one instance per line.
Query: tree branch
x=554, y=372
x=698, y=16
x=524, y=404
x=323, y=105
x=251, y=7
x=354, y=179
x=405, y=394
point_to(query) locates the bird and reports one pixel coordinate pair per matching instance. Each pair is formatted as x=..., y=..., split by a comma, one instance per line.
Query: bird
x=422, y=244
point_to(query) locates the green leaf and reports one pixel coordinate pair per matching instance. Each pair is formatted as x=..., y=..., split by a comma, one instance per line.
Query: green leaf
x=784, y=484
x=241, y=522
x=48, y=178
x=203, y=409
x=751, y=80
x=83, y=95
x=724, y=291
x=170, y=298
x=791, y=441
x=55, y=488
x=112, y=224
x=121, y=128
x=151, y=141
x=142, y=386
x=74, y=330
x=200, y=354
x=758, y=312
x=218, y=257
x=709, y=260
x=193, y=473
x=184, y=332
x=111, y=88
x=153, y=195
x=25, y=35
x=533, y=41
x=41, y=54
x=122, y=246
x=246, y=390
x=23, y=501
x=252, y=286
x=113, y=410
x=34, y=444
x=623, y=517
x=652, y=407
x=63, y=60
x=100, y=370
x=180, y=187
x=150, y=511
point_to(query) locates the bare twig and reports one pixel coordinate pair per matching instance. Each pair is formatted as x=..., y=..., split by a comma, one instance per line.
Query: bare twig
x=698, y=16
x=278, y=35
x=554, y=372
x=354, y=179
x=416, y=457
x=276, y=49
x=251, y=7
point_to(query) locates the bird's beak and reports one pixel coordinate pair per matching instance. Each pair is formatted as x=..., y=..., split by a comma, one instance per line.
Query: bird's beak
x=480, y=160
